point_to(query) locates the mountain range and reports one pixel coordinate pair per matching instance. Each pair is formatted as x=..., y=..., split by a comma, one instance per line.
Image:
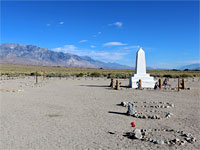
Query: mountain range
x=12, y=53
x=191, y=67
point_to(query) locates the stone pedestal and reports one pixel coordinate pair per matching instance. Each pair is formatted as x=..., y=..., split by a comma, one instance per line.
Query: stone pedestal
x=140, y=73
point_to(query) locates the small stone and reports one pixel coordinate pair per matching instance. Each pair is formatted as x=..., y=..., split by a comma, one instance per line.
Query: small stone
x=135, y=115
x=171, y=130
x=187, y=139
x=149, y=139
x=167, y=142
x=144, y=116
x=154, y=141
x=163, y=129
x=177, y=131
x=172, y=142
x=153, y=117
x=158, y=117
x=124, y=104
x=160, y=142
x=137, y=134
x=168, y=115
x=140, y=116
x=192, y=140
x=176, y=140
x=143, y=130
x=182, y=143
x=182, y=132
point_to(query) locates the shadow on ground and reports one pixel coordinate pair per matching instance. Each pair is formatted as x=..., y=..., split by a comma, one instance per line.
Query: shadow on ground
x=95, y=85
x=99, y=86
x=129, y=135
x=105, y=86
x=119, y=113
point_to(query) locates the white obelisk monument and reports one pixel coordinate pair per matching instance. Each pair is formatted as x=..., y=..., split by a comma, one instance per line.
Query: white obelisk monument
x=140, y=73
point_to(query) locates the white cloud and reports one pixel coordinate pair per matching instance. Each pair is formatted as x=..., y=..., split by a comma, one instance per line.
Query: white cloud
x=131, y=47
x=107, y=56
x=193, y=61
x=117, y=24
x=92, y=46
x=83, y=41
x=66, y=49
x=102, y=55
x=114, y=44
x=61, y=22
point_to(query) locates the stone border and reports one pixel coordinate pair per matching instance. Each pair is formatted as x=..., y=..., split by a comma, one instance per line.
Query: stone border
x=142, y=134
x=155, y=116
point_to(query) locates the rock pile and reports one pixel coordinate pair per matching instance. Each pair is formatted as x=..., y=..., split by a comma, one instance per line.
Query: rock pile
x=148, y=110
x=146, y=135
x=150, y=104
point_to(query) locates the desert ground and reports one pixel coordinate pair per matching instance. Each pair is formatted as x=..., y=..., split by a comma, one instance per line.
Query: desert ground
x=84, y=113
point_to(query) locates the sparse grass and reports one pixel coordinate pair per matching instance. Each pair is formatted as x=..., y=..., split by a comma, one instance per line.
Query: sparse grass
x=53, y=71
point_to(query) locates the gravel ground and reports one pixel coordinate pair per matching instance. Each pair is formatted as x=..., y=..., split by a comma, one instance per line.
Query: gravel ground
x=83, y=114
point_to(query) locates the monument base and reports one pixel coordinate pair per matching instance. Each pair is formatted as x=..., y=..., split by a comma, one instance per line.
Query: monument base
x=147, y=81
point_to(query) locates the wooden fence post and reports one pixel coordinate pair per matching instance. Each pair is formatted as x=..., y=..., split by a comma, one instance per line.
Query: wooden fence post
x=117, y=85
x=36, y=77
x=183, y=84
x=140, y=84
x=112, y=83
x=178, y=84
x=160, y=84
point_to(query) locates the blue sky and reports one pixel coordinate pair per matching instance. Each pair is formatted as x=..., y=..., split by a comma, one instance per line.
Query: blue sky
x=108, y=31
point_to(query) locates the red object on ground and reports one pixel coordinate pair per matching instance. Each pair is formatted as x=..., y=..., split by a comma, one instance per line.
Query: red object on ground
x=132, y=124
